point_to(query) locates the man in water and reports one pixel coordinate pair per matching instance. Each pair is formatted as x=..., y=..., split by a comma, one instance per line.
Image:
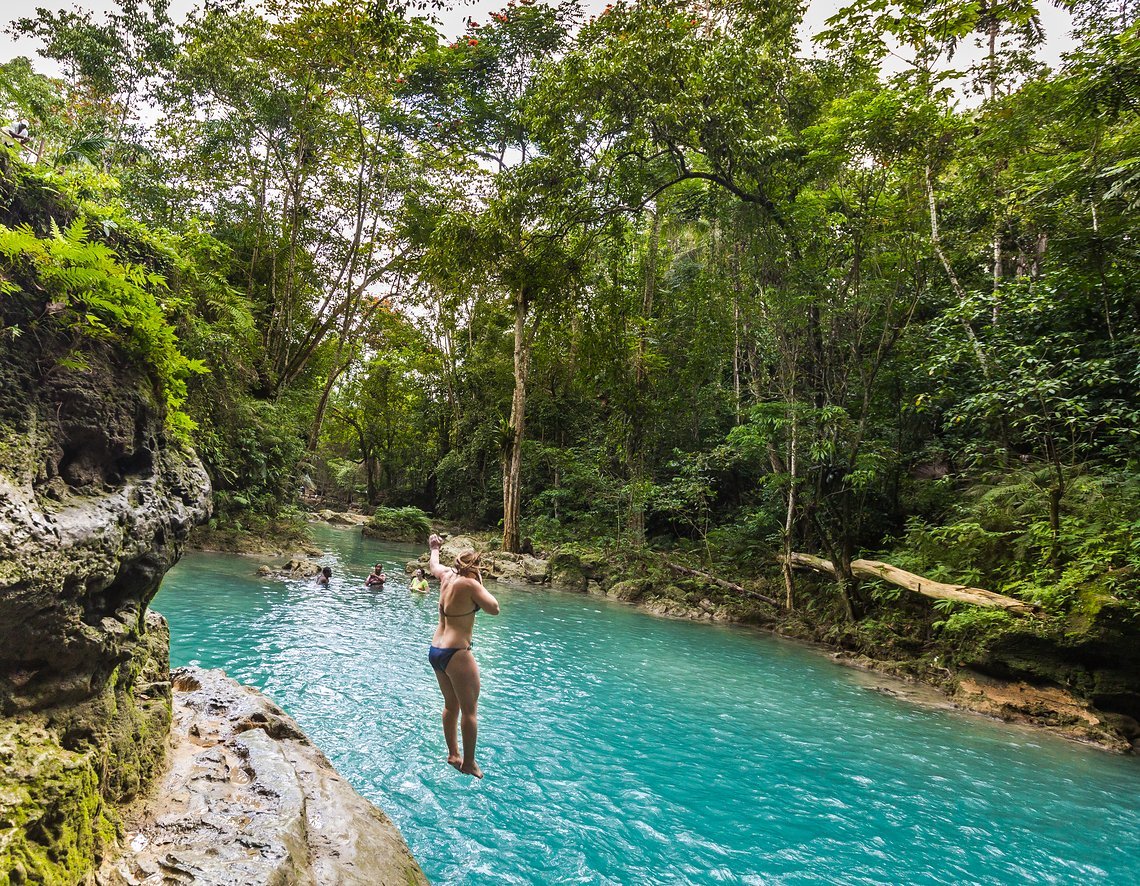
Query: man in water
x=323, y=578
x=461, y=595
x=377, y=577
x=419, y=582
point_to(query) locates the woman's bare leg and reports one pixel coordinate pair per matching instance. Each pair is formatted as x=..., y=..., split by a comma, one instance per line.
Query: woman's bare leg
x=463, y=672
x=450, y=718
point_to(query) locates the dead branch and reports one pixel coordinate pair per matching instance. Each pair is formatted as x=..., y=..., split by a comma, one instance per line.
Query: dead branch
x=875, y=569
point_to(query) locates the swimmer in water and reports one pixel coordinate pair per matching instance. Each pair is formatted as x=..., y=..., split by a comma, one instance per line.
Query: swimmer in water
x=461, y=595
x=419, y=582
x=323, y=578
x=376, y=577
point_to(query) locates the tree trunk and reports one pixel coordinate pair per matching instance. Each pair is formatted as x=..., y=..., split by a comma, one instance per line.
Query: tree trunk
x=1056, y=495
x=875, y=569
x=323, y=403
x=721, y=583
x=512, y=455
x=370, y=477
x=955, y=283
x=635, y=444
x=789, y=517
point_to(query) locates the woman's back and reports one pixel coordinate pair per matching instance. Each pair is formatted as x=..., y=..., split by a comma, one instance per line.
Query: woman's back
x=457, y=609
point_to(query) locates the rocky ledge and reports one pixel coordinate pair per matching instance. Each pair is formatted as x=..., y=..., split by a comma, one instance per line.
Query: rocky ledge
x=247, y=799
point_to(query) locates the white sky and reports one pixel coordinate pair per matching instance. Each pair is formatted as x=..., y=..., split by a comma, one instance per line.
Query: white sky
x=1055, y=21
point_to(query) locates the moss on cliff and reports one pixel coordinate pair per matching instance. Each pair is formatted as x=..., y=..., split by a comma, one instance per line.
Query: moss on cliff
x=52, y=815
x=63, y=770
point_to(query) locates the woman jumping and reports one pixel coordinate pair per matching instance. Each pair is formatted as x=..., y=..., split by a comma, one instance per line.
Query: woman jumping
x=461, y=595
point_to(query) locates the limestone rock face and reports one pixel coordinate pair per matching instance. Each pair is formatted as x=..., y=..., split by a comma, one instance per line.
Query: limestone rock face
x=248, y=799
x=96, y=501
x=95, y=504
x=454, y=546
x=342, y=518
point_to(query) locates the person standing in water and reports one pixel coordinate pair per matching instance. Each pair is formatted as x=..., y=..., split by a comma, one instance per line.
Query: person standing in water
x=376, y=577
x=419, y=582
x=461, y=595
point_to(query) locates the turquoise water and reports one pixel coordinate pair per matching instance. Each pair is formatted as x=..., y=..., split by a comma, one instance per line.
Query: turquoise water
x=621, y=748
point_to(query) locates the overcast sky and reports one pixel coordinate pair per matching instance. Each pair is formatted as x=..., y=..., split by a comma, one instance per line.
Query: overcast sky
x=1055, y=21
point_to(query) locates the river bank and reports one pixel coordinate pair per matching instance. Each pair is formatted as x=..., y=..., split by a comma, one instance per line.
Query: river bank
x=1027, y=671
x=954, y=672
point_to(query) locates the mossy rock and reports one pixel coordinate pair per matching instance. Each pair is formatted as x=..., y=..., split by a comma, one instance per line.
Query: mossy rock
x=631, y=590
x=568, y=573
x=675, y=593
x=1094, y=652
x=62, y=771
x=573, y=567
x=52, y=816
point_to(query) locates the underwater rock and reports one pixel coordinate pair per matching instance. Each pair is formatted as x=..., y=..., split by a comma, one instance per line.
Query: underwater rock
x=248, y=799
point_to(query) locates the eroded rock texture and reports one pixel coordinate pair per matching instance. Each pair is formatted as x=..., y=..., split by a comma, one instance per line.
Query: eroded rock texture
x=249, y=800
x=95, y=503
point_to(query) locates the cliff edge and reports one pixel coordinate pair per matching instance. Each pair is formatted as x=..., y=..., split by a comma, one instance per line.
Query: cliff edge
x=248, y=799
x=96, y=501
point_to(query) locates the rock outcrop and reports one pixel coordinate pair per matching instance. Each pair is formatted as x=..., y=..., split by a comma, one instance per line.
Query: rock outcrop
x=294, y=568
x=339, y=518
x=96, y=501
x=249, y=800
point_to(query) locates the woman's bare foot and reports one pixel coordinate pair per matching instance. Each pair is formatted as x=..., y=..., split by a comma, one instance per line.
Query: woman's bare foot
x=472, y=768
x=454, y=760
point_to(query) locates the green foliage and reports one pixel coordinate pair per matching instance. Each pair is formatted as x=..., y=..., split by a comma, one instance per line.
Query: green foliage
x=998, y=535
x=399, y=524
x=973, y=623
x=757, y=301
x=253, y=449
x=98, y=298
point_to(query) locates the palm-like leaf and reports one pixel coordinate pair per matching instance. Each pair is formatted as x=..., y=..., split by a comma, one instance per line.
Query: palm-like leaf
x=85, y=149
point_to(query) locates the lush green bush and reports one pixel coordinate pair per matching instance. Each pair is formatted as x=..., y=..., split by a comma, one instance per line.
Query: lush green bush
x=398, y=524
x=56, y=248
x=998, y=535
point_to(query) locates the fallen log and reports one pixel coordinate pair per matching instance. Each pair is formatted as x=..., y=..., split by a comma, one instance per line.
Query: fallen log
x=720, y=583
x=917, y=583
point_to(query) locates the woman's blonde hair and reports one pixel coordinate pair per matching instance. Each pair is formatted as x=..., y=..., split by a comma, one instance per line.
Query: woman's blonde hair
x=467, y=562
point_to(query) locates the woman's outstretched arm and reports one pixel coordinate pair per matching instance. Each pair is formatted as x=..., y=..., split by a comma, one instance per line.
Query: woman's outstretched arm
x=434, y=543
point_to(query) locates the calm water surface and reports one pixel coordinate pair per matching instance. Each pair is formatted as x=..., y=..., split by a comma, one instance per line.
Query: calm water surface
x=621, y=748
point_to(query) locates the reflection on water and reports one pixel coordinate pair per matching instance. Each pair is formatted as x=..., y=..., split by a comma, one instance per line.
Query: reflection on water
x=621, y=748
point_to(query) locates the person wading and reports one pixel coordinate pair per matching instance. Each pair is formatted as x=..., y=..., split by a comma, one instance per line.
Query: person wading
x=461, y=595
x=419, y=583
